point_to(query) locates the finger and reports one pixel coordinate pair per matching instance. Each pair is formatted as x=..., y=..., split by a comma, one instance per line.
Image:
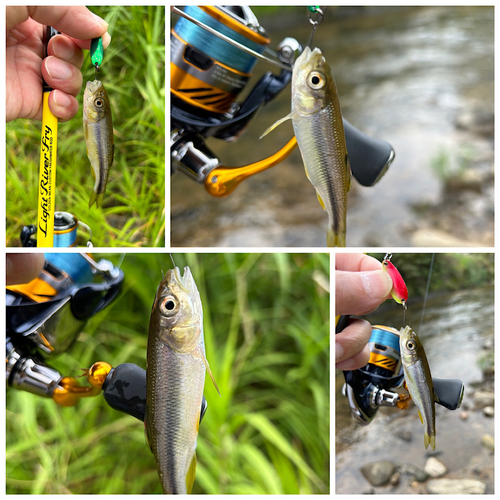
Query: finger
x=15, y=15
x=63, y=106
x=23, y=267
x=62, y=75
x=360, y=292
x=75, y=21
x=85, y=44
x=356, y=262
x=66, y=49
x=352, y=339
x=357, y=361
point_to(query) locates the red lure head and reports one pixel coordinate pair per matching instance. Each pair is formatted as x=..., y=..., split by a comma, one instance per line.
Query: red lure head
x=399, y=291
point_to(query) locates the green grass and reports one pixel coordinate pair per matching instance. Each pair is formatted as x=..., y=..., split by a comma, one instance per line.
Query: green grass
x=266, y=323
x=133, y=212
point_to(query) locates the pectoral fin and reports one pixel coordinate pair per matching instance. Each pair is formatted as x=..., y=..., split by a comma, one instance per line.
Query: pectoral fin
x=198, y=353
x=421, y=419
x=279, y=122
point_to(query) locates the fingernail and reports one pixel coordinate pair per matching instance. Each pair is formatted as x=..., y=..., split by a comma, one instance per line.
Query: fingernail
x=62, y=48
x=61, y=99
x=377, y=284
x=339, y=351
x=106, y=40
x=57, y=69
x=100, y=20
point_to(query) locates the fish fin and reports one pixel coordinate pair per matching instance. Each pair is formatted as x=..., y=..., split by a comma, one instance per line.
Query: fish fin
x=348, y=167
x=334, y=239
x=279, y=122
x=436, y=399
x=420, y=415
x=429, y=440
x=321, y=202
x=96, y=198
x=146, y=434
x=190, y=475
x=198, y=353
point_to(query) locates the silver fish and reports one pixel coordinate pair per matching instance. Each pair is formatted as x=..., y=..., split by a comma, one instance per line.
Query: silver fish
x=175, y=375
x=318, y=127
x=419, y=382
x=98, y=129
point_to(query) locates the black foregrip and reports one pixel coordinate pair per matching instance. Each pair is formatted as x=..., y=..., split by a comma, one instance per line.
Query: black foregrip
x=125, y=390
x=369, y=158
x=449, y=392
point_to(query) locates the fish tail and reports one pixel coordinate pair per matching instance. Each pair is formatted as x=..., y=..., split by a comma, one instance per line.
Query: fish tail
x=430, y=440
x=334, y=239
x=96, y=198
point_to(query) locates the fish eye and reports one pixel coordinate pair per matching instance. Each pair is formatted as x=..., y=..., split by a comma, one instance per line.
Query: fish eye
x=410, y=345
x=316, y=80
x=169, y=306
x=99, y=102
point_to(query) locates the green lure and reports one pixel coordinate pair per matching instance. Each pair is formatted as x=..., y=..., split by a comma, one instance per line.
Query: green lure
x=96, y=52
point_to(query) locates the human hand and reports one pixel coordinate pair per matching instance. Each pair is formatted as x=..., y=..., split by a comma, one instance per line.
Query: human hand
x=22, y=268
x=61, y=69
x=360, y=287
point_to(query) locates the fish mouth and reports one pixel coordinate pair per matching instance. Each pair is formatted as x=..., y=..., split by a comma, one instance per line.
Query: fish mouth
x=174, y=276
x=94, y=86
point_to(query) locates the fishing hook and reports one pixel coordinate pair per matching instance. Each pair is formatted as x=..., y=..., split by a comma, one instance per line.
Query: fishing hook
x=313, y=11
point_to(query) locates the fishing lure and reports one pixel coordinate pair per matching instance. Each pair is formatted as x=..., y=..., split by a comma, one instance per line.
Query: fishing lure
x=399, y=291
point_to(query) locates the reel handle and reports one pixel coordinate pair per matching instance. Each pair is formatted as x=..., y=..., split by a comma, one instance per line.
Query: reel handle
x=369, y=158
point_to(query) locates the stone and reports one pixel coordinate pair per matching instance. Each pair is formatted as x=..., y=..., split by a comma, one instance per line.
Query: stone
x=488, y=441
x=464, y=415
x=395, y=478
x=488, y=411
x=456, y=487
x=378, y=473
x=484, y=398
x=434, y=467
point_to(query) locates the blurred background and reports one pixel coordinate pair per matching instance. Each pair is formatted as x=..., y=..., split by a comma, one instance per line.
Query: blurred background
x=133, y=74
x=457, y=333
x=420, y=78
x=266, y=328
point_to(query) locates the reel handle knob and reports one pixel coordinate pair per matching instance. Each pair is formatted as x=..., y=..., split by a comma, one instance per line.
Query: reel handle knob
x=449, y=392
x=369, y=158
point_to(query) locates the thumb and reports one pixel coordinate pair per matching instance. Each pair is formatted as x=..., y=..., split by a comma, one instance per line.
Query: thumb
x=360, y=292
x=75, y=21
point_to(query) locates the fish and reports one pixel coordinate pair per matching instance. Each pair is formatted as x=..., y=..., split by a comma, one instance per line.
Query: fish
x=419, y=382
x=175, y=377
x=98, y=130
x=318, y=127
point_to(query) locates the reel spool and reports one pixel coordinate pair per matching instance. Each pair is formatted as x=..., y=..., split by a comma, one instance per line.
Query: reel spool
x=206, y=71
x=65, y=231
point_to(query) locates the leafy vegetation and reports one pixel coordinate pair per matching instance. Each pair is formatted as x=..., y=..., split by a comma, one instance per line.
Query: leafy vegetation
x=266, y=320
x=133, y=73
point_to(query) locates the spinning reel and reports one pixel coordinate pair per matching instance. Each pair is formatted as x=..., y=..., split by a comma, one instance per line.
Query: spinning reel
x=213, y=53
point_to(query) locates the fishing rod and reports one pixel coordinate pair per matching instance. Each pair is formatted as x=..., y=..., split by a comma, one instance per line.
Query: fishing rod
x=55, y=228
x=372, y=386
x=213, y=52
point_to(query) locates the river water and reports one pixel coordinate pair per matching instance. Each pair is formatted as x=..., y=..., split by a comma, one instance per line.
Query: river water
x=409, y=76
x=455, y=331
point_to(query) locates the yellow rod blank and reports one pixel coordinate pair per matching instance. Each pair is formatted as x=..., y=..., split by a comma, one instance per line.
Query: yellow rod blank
x=47, y=177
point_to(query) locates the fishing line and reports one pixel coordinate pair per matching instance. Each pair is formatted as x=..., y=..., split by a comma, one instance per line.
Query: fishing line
x=172, y=259
x=120, y=261
x=426, y=293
